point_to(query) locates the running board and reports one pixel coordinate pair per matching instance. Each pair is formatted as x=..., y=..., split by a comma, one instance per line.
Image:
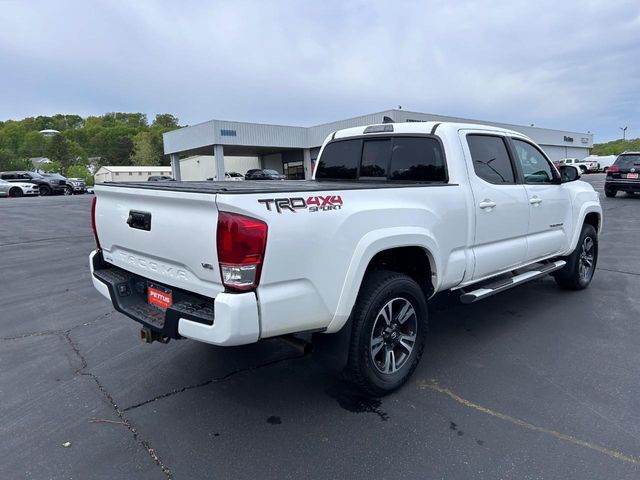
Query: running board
x=497, y=287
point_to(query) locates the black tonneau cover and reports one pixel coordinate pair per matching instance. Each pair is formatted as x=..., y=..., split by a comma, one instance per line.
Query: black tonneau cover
x=266, y=186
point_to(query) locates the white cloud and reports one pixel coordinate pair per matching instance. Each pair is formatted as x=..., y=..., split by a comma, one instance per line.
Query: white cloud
x=571, y=64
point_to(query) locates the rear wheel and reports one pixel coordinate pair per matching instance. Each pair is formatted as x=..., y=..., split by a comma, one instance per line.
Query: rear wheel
x=44, y=191
x=16, y=192
x=389, y=322
x=581, y=264
x=610, y=192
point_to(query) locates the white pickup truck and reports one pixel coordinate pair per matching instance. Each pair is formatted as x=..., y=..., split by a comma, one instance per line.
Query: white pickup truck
x=395, y=214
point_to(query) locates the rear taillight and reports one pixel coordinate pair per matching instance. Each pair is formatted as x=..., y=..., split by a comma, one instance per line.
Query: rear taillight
x=241, y=244
x=613, y=169
x=93, y=222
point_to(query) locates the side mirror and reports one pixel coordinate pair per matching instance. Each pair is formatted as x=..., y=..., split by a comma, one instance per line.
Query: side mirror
x=568, y=173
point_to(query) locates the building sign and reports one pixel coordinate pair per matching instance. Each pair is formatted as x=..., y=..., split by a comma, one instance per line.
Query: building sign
x=568, y=139
x=585, y=140
x=227, y=133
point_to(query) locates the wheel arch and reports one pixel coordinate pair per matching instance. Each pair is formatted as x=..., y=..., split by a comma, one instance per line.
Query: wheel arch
x=590, y=214
x=391, y=249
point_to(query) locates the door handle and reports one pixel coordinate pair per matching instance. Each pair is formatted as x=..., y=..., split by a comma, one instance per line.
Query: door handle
x=535, y=200
x=487, y=204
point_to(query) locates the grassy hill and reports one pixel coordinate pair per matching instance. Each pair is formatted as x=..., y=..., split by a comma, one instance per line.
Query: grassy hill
x=616, y=147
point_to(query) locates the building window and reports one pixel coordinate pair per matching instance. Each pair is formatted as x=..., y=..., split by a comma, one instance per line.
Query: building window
x=228, y=133
x=130, y=173
x=117, y=173
x=139, y=173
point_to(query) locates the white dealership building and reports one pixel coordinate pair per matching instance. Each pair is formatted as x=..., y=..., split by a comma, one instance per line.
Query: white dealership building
x=220, y=145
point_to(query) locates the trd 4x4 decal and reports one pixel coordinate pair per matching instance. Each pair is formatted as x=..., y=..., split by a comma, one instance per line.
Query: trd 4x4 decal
x=313, y=204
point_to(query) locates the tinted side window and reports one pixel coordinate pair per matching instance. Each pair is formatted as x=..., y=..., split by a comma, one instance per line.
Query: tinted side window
x=7, y=176
x=491, y=159
x=535, y=167
x=340, y=160
x=417, y=159
x=375, y=158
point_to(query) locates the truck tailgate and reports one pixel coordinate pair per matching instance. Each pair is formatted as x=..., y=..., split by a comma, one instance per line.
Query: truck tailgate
x=166, y=236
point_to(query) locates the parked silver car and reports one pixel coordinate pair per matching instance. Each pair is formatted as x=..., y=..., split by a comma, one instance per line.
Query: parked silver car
x=17, y=189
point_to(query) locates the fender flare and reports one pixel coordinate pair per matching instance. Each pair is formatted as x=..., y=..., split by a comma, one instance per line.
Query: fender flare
x=585, y=209
x=368, y=247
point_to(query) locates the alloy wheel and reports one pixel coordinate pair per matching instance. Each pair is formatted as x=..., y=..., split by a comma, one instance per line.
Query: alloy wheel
x=393, y=336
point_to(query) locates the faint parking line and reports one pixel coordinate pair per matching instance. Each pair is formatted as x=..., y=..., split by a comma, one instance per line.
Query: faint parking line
x=433, y=385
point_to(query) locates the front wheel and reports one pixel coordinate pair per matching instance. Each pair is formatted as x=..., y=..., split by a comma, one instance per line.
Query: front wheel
x=389, y=322
x=44, y=191
x=581, y=264
x=68, y=191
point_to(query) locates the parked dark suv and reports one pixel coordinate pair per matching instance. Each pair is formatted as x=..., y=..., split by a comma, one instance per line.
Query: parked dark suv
x=46, y=185
x=260, y=174
x=623, y=175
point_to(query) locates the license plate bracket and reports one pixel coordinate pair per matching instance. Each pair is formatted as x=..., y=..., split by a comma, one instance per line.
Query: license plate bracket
x=159, y=296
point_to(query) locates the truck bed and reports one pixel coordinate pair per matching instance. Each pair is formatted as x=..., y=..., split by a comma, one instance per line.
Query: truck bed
x=266, y=186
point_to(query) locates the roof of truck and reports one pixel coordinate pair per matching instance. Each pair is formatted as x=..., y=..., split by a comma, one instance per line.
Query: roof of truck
x=418, y=127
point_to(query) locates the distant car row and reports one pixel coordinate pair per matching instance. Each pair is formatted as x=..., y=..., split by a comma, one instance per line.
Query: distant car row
x=21, y=183
x=591, y=164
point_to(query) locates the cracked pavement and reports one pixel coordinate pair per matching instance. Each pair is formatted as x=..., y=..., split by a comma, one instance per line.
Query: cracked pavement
x=562, y=365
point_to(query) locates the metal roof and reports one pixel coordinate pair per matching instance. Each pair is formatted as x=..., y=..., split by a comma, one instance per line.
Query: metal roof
x=201, y=137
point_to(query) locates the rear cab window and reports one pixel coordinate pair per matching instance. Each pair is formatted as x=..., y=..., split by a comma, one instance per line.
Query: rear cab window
x=402, y=158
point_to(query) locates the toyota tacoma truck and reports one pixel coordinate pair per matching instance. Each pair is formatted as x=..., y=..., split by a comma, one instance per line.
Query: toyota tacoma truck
x=394, y=214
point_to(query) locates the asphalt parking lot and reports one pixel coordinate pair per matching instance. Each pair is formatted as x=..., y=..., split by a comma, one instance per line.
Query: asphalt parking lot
x=532, y=383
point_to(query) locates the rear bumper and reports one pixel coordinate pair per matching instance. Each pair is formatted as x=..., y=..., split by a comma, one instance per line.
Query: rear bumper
x=622, y=185
x=226, y=320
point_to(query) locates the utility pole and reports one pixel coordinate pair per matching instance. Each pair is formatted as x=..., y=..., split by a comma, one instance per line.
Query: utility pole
x=624, y=133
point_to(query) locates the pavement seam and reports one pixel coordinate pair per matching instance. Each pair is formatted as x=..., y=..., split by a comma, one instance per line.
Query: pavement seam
x=43, y=240
x=618, y=271
x=433, y=385
x=118, y=411
x=212, y=380
x=56, y=332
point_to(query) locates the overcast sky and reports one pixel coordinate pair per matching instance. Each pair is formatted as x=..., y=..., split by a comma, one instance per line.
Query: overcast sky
x=571, y=65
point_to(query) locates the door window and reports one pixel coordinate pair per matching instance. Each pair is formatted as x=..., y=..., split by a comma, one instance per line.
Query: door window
x=490, y=159
x=535, y=167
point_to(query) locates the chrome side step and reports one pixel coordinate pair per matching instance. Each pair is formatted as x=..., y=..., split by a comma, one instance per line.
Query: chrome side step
x=499, y=286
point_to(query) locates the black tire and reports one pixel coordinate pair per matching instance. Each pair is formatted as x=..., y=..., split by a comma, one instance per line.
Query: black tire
x=605, y=169
x=610, y=193
x=576, y=275
x=364, y=367
x=583, y=169
x=16, y=192
x=44, y=191
x=68, y=191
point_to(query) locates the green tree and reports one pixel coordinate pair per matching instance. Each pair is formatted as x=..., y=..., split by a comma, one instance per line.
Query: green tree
x=9, y=161
x=59, y=152
x=165, y=121
x=34, y=144
x=80, y=171
x=143, y=151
